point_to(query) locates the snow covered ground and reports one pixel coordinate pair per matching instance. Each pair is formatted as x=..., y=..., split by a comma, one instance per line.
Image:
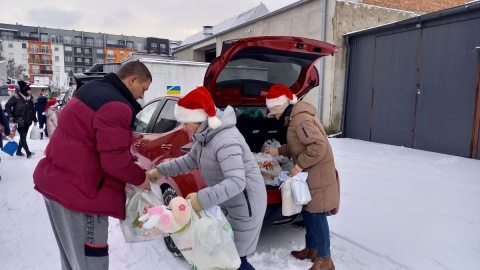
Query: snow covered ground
x=401, y=209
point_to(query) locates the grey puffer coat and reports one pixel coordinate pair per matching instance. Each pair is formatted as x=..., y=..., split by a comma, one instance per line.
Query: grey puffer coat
x=233, y=178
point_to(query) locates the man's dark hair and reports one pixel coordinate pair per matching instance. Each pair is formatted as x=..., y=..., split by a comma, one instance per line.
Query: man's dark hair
x=134, y=68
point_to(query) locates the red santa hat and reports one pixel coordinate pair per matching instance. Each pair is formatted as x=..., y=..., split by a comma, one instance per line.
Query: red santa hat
x=11, y=88
x=279, y=94
x=196, y=107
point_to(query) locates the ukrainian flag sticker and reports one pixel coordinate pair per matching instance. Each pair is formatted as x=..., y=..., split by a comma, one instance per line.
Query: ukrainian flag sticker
x=173, y=90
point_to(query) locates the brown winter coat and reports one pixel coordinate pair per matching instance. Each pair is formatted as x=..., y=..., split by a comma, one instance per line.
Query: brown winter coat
x=308, y=145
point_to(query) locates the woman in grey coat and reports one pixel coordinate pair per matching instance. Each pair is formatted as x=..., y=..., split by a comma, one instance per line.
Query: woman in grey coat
x=227, y=165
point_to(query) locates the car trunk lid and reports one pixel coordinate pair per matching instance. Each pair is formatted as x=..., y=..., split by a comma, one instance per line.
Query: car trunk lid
x=246, y=68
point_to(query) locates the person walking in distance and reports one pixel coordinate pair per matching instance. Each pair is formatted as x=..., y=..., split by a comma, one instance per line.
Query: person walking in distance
x=40, y=108
x=85, y=185
x=20, y=109
x=308, y=146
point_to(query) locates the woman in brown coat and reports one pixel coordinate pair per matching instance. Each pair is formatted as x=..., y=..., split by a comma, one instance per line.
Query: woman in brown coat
x=308, y=146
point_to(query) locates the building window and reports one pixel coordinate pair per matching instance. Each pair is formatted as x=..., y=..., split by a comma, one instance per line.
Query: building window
x=99, y=51
x=67, y=40
x=24, y=34
x=78, y=50
x=153, y=45
x=56, y=48
x=87, y=61
x=44, y=37
x=57, y=59
x=55, y=39
x=113, y=42
x=24, y=45
x=68, y=48
x=121, y=53
x=10, y=44
x=139, y=47
x=100, y=61
x=45, y=49
x=68, y=59
x=79, y=60
x=110, y=61
x=130, y=44
x=67, y=69
x=79, y=70
x=99, y=42
x=87, y=51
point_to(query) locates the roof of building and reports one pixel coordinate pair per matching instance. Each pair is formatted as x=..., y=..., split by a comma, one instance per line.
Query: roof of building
x=244, y=17
x=241, y=22
x=468, y=7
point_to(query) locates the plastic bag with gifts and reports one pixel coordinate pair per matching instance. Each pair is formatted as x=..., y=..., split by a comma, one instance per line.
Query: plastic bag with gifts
x=289, y=206
x=269, y=166
x=35, y=133
x=137, y=206
x=270, y=144
x=207, y=241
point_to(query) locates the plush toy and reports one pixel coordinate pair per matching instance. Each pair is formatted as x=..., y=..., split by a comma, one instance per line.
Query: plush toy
x=168, y=219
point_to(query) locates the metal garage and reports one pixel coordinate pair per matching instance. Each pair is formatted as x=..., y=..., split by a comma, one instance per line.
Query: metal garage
x=415, y=83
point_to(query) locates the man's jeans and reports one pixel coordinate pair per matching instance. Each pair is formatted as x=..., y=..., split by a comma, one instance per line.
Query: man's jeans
x=317, y=233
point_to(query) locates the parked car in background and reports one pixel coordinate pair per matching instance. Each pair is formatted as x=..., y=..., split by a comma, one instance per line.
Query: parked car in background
x=240, y=77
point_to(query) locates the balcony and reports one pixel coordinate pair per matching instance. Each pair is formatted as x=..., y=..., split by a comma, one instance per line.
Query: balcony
x=39, y=61
x=40, y=72
x=111, y=56
x=37, y=51
x=79, y=63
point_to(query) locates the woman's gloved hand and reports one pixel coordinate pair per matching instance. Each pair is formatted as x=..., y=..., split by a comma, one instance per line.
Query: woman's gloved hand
x=194, y=201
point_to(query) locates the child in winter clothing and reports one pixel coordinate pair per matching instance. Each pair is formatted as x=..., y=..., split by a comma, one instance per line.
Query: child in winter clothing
x=51, y=112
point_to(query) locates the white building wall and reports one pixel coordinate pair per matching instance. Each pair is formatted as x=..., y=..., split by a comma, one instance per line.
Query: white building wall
x=3, y=72
x=12, y=49
x=60, y=77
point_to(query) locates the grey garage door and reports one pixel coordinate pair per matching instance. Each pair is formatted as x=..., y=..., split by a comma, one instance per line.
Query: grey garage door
x=446, y=103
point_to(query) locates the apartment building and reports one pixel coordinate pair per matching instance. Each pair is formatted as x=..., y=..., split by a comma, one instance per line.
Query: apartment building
x=50, y=54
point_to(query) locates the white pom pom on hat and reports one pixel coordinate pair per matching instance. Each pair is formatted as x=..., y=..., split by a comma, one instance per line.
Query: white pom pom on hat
x=279, y=94
x=196, y=107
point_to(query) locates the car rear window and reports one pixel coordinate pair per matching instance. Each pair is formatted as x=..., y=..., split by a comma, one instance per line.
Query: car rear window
x=267, y=73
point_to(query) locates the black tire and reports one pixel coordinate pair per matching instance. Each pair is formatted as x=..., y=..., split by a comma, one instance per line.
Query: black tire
x=168, y=195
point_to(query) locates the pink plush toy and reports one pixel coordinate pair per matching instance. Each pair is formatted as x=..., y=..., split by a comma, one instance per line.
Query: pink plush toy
x=168, y=219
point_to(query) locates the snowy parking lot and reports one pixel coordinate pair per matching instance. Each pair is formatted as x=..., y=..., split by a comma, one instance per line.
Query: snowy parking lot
x=400, y=209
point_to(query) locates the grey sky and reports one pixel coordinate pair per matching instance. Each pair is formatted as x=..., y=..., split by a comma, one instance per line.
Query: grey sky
x=171, y=19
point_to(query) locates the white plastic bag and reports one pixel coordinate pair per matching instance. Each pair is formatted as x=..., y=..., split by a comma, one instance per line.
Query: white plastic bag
x=300, y=190
x=269, y=166
x=35, y=133
x=137, y=206
x=207, y=242
x=289, y=206
x=270, y=144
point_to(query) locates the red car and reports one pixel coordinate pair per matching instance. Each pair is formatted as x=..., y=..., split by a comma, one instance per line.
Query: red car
x=240, y=77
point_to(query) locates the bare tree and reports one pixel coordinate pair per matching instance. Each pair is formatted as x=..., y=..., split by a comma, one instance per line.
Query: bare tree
x=14, y=71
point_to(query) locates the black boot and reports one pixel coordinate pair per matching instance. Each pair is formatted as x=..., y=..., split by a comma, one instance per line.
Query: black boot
x=29, y=155
x=20, y=154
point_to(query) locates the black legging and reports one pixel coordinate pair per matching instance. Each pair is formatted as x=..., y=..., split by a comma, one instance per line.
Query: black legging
x=23, y=140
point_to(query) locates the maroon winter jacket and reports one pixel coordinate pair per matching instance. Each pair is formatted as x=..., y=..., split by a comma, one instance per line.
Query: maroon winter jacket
x=88, y=159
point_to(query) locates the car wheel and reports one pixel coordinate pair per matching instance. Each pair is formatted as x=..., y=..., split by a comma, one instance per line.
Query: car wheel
x=168, y=195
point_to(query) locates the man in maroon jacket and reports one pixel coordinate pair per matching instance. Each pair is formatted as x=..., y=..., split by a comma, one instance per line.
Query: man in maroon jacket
x=88, y=162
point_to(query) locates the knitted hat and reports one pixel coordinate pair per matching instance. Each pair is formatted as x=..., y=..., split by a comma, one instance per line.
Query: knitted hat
x=24, y=87
x=278, y=95
x=196, y=107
